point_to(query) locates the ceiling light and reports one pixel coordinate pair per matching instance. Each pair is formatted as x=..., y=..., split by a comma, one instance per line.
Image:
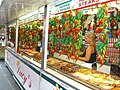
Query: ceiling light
x=28, y=15
x=1, y=1
x=22, y=6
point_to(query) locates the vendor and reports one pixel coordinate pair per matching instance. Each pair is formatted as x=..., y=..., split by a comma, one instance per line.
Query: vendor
x=89, y=55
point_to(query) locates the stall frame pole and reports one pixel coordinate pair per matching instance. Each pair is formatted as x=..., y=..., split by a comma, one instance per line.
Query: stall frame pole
x=16, y=38
x=6, y=39
x=45, y=36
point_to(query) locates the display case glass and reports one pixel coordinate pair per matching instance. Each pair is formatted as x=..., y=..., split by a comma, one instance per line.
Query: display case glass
x=66, y=39
x=30, y=36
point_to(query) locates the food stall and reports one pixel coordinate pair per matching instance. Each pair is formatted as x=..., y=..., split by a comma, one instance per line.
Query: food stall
x=2, y=41
x=47, y=41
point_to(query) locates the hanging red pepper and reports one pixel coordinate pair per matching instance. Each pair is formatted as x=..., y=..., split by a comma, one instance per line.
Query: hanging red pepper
x=57, y=20
x=75, y=38
x=64, y=15
x=98, y=30
x=112, y=24
x=100, y=61
x=106, y=12
x=100, y=22
x=62, y=35
x=101, y=39
x=57, y=27
x=55, y=49
x=69, y=56
x=89, y=26
x=118, y=32
x=52, y=51
x=50, y=31
x=76, y=12
x=58, y=35
x=76, y=57
x=48, y=48
x=67, y=32
x=65, y=24
x=71, y=14
x=33, y=34
x=77, y=30
x=70, y=47
x=76, y=22
x=66, y=51
x=61, y=52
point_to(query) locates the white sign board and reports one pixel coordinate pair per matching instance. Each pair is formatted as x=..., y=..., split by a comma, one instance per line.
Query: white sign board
x=65, y=5
x=27, y=77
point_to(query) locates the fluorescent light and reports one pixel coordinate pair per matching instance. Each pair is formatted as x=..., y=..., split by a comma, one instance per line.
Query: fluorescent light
x=22, y=6
x=40, y=10
x=1, y=2
x=28, y=15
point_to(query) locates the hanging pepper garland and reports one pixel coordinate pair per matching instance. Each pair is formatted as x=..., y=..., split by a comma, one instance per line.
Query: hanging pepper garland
x=65, y=35
x=117, y=44
x=29, y=34
x=118, y=32
x=12, y=34
x=101, y=31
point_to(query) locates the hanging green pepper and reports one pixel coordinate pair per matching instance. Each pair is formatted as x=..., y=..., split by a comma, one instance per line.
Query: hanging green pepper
x=72, y=19
x=38, y=24
x=62, y=21
x=79, y=15
x=117, y=44
x=100, y=46
x=100, y=13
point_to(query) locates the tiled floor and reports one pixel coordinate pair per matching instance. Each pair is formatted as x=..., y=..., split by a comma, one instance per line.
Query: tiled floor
x=6, y=80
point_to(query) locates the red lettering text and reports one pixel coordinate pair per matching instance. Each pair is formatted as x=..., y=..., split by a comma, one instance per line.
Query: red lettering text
x=85, y=2
x=93, y=1
x=79, y=4
x=89, y=2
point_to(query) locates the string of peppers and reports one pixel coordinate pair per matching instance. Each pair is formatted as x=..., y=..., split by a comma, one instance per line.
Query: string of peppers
x=11, y=34
x=117, y=44
x=29, y=34
x=101, y=32
x=65, y=34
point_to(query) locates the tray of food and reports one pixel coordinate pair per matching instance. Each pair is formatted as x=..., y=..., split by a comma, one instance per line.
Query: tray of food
x=89, y=77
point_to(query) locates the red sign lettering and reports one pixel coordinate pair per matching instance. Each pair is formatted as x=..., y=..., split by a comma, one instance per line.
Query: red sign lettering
x=93, y=1
x=24, y=77
x=86, y=3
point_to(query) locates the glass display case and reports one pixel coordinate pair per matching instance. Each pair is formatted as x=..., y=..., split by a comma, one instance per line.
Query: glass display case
x=30, y=37
x=84, y=75
x=66, y=38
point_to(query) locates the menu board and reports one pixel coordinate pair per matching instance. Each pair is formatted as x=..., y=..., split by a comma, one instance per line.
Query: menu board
x=113, y=52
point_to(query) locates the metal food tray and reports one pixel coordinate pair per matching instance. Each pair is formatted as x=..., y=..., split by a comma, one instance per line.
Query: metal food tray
x=81, y=81
x=30, y=57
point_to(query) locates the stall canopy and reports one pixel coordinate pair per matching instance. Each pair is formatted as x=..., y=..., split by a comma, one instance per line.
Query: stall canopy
x=12, y=9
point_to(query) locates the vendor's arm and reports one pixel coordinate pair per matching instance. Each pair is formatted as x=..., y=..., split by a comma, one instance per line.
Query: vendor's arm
x=87, y=56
